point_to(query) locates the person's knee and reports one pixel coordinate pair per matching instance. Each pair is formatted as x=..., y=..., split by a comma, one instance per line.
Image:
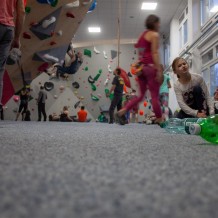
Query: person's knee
x=197, y=90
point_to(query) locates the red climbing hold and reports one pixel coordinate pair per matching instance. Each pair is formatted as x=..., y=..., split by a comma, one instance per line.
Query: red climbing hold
x=69, y=14
x=52, y=43
x=34, y=24
x=26, y=35
x=43, y=67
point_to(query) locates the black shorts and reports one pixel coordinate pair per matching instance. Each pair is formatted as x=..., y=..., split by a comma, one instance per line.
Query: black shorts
x=23, y=107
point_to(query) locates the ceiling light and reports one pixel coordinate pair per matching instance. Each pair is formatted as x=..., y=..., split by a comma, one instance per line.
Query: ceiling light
x=214, y=9
x=149, y=6
x=94, y=29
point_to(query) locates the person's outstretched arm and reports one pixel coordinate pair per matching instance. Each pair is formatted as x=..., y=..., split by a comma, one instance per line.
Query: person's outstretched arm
x=20, y=17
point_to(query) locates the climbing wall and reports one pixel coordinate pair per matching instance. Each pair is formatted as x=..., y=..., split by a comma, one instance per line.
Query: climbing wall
x=47, y=33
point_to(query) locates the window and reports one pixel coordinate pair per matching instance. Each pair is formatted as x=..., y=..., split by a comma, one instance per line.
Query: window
x=185, y=32
x=217, y=50
x=207, y=57
x=207, y=10
x=206, y=76
x=183, y=28
x=181, y=18
x=213, y=78
x=166, y=54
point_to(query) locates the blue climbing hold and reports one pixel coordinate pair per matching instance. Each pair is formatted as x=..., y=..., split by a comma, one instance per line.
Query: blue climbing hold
x=93, y=6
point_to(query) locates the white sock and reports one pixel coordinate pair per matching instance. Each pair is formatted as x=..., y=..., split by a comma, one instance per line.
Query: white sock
x=105, y=54
x=72, y=5
x=51, y=58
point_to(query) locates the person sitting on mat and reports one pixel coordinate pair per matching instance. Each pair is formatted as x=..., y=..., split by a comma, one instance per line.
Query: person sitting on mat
x=191, y=92
x=54, y=117
x=82, y=115
x=64, y=117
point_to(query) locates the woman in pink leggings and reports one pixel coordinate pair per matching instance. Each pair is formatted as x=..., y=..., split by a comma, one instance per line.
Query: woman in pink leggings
x=150, y=77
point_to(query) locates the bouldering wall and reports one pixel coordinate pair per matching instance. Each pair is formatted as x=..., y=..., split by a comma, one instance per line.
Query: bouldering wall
x=49, y=28
x=86, y=86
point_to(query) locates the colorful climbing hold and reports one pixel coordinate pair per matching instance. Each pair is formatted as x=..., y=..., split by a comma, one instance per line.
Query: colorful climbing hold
x=93, y=87
x=94, y=98
x=141, y=112
x=86, y=68
x=27, y=10
x=16, y=98
x=69, y=14
x=26, y=35
x=43, y=67
x=87, y=52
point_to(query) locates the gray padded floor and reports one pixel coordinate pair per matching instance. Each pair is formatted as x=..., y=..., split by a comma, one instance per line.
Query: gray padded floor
x=74, y=170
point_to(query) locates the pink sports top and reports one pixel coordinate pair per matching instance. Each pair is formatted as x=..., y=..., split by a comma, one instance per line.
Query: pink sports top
x=144, y=47
x=7, y=10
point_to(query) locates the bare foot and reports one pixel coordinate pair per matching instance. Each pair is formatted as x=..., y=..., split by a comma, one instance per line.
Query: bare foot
x=159, y=120
x=121, y=112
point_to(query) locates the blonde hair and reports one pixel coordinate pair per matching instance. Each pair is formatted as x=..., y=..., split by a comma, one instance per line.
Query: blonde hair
x=175, y=61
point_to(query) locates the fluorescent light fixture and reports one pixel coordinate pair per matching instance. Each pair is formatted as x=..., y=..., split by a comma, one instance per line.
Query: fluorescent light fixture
x=214, y=9
x=94, y=29
x=149, y=6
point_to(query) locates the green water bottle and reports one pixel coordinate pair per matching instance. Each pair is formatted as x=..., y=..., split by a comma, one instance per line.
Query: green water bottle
x=207, y=129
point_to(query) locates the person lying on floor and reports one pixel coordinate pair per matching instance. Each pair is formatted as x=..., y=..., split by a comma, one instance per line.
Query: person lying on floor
x=54, y=117
x=191, y=92
x=82, y=115
x=64, y=117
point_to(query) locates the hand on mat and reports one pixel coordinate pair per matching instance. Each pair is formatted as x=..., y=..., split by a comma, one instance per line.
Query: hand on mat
x=201, y=114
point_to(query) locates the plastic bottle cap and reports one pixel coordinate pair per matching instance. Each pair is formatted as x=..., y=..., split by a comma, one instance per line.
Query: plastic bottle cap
x=195, y=129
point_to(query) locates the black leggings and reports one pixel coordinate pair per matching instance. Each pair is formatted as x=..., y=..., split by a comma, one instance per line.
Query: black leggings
x=199, y=103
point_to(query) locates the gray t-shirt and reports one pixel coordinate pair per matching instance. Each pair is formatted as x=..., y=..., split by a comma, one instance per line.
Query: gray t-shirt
x=183, y=90
x=42, y=96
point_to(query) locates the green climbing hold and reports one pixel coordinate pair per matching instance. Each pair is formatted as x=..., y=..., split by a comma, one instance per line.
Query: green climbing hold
x=100, y=71
x=54, y=3
x=94, y=98
x=87, y=52
x=97, y=76
x=86, y=68
x=106, y=91
x=93, y=87
x=27, y=10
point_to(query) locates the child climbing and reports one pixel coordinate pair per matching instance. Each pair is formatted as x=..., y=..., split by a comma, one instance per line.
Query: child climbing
x=191, y=92
x=151, y=74
x=70, y=66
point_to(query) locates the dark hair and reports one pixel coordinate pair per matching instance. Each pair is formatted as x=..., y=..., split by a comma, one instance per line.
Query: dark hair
x=151, y=21
x=82, y=107
x=41, y=87
x=133, y=90
x=118, y=71
x=24, y=88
